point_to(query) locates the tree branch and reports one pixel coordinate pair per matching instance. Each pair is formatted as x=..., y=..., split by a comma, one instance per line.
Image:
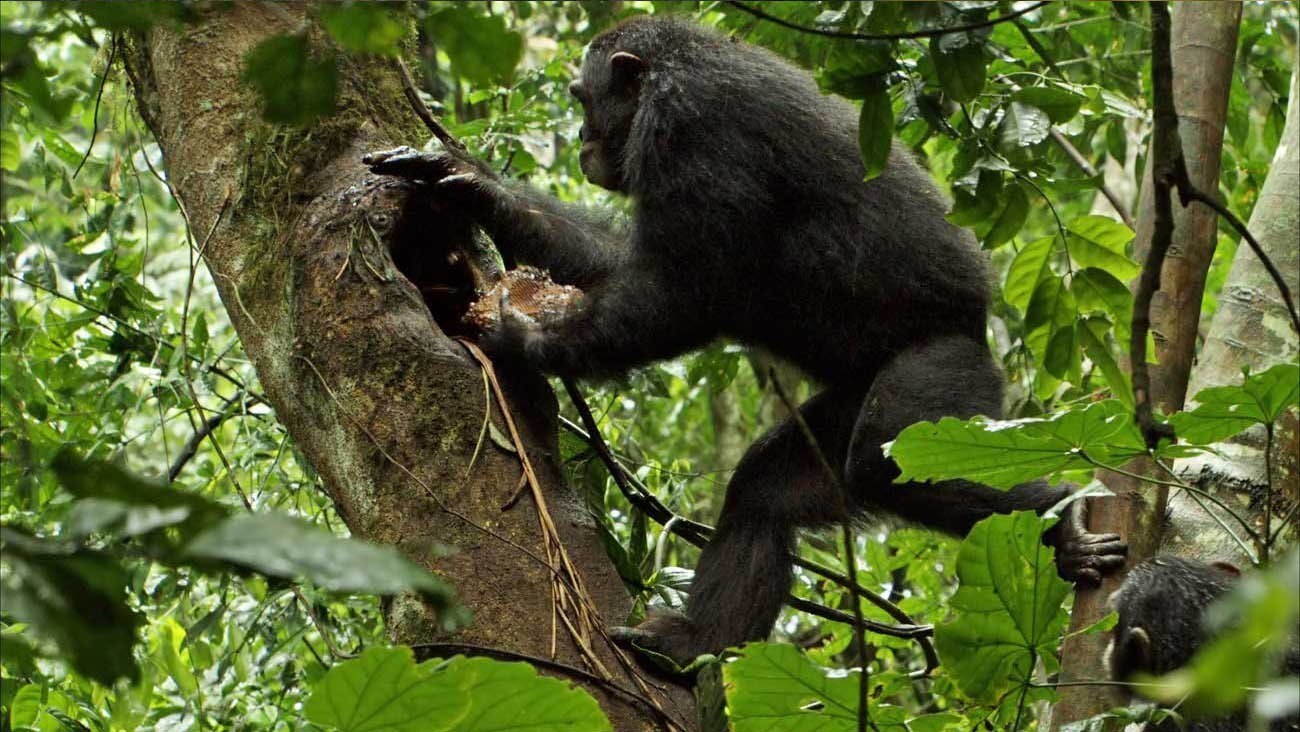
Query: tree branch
x=851, y=36
x=1168, y=167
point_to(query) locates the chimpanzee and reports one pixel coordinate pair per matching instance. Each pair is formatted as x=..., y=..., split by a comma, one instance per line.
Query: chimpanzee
x=1161, y=607
x=752, y=222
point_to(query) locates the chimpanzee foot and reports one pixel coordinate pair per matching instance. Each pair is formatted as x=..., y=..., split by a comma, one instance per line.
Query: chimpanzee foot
x=1081, y=556
x=664, y=632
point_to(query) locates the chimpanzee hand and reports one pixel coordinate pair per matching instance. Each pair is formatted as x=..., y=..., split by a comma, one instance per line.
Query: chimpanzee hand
x=1081, y=556
x=467, y=182
x=510, y=337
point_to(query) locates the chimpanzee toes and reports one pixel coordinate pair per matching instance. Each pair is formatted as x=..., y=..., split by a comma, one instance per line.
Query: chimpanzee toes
x=666, y=634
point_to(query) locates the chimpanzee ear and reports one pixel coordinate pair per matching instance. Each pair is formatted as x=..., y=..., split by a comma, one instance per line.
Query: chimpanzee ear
x=1228, y=567
x=626, y=68
x=1134, y=651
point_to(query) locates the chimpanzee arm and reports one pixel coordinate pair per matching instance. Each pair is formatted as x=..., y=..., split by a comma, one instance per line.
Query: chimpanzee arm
x=577, y=245
x=630, y=320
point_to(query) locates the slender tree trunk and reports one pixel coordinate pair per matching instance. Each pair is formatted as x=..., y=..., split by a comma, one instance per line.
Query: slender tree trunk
x=1250, y=329
x=1204, y=43
x=386, y=408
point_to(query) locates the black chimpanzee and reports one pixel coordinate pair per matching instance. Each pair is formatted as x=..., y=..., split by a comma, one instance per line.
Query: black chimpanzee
x=752, y=221
x=1161, y=607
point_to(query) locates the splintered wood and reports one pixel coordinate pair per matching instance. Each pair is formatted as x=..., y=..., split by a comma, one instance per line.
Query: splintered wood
x=532, y=293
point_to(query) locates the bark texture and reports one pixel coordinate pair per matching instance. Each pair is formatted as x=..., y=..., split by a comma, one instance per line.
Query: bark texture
x=1251, y=328
x=385, y=406
x=1203, y=48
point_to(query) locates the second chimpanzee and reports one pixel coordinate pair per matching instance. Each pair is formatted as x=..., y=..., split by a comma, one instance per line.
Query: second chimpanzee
x=1161, y=607
x=751, y=221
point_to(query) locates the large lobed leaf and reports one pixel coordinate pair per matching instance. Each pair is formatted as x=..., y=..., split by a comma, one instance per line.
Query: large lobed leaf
x=1009, y=606
x=75, y=598
x=384, y=689
x=281, y=546
x=1005, y=453
x=1223, y=411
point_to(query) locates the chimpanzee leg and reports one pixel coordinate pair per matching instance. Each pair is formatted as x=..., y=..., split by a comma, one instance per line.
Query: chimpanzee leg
x=955, y=377
x=743, y=575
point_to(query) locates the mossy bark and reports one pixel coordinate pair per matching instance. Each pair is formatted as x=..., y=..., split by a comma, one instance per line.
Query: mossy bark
x=385, y=406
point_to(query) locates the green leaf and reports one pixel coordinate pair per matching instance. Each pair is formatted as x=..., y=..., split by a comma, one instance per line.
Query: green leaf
x=972, y=209
x=1011, y=219
x=1009, y=605
x=875, y=131
x=1091, y=333
x=1023, y=126
x=363, y=26
x=1059, y=105
x=1096, y=241
x=960, y=64
x=1030, y=267
x=1005, y=453
x=125, y=502
x=480, y=47
x=295, y=87
x=1098, y=291
x=281, y=546
x=77, y=599
x=774, y=686
x=11, y=151
x=855, y=70
x=536, y=703
x=131, y=16
x=383, y=690
x=1223, y=411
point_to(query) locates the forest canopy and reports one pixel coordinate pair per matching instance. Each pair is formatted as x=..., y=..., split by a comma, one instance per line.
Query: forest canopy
x=256, y=474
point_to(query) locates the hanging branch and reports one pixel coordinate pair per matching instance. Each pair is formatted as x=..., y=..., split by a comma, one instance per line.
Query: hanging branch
x=696, y=534
x=1167, y=167
x=851, y=36
x=850, y=559
x=1169, y=173
x=1191, y=193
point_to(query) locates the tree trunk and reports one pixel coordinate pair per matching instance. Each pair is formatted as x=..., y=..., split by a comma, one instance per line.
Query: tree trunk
x=1203, y=46
x=1251, y=328
x=385, y=406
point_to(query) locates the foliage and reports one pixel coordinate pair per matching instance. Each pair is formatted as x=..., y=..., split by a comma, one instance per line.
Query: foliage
x=216, y=612
x=384, y=689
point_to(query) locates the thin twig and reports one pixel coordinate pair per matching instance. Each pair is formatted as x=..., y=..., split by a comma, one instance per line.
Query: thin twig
x=94, y=118
x=851, y=36
x=1192, y=193
x=1091, y=172
x=448, y=140
x=850, y=559
x=697, y=535
x=235, y=404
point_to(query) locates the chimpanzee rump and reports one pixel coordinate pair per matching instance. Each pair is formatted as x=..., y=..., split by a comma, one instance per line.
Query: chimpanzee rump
x=752, y=222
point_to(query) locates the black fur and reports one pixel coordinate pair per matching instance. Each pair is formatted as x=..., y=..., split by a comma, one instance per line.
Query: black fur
x=752, y=221
x=1161, y=607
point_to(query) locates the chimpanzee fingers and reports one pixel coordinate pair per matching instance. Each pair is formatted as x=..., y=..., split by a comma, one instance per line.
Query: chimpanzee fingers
x=405, y=162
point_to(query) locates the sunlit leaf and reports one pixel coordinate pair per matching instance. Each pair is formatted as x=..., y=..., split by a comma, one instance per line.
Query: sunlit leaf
x=1005, y=453
x=1010, y=606
x=1223, y=411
